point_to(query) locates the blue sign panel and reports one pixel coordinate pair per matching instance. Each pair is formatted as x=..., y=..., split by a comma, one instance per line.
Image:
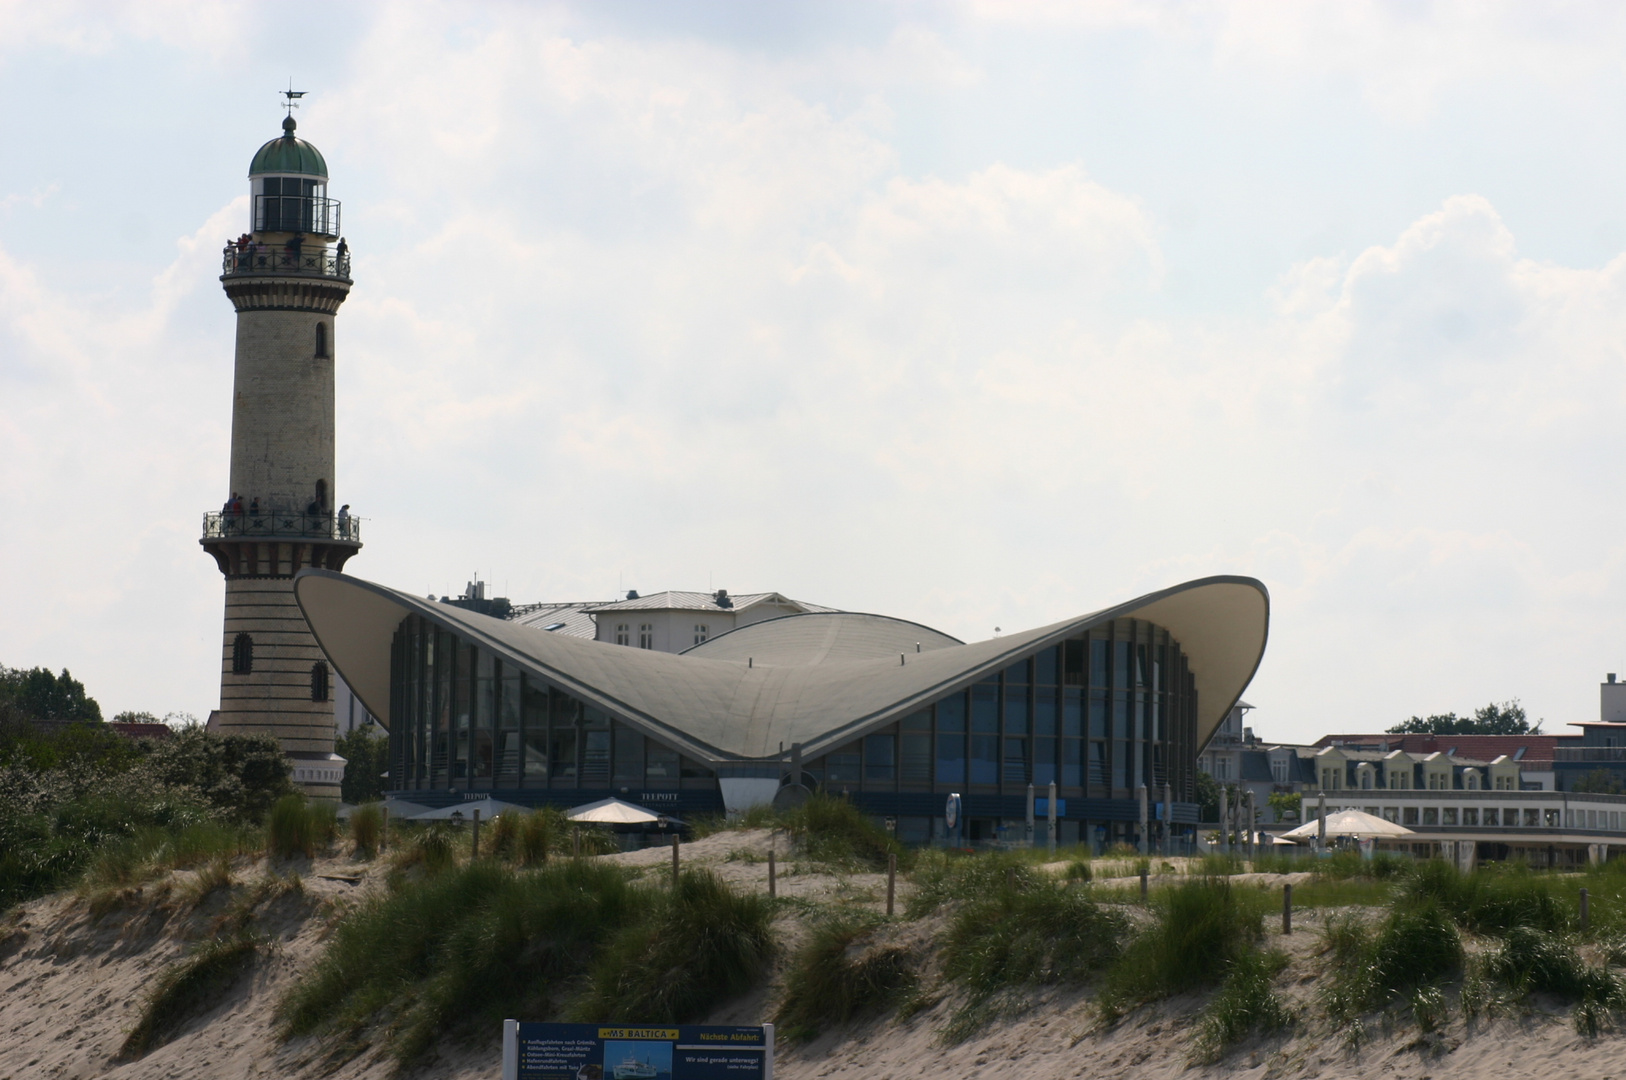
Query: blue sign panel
x=609, y=1052
x=1041, y=807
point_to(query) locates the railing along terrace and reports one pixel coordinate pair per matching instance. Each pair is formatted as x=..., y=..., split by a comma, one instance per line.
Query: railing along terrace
x=258, y=258
x=1589, y=753
x=296, y=214
x=219, y=525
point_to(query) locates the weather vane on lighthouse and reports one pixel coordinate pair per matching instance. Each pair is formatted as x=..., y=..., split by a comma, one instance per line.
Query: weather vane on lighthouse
x=291, y=97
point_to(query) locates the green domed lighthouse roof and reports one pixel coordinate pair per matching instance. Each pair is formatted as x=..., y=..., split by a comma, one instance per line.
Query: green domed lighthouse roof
x=288, y=155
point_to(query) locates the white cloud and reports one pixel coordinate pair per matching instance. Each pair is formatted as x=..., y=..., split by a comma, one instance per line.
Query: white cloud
x=666, y=308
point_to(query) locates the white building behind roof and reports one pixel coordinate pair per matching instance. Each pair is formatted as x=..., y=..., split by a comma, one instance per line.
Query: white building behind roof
x=670, y=621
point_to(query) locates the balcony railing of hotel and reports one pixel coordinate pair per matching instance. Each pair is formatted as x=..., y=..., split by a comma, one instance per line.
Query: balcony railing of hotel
x=221, y=525
x=1589, y=753
x=256, y=258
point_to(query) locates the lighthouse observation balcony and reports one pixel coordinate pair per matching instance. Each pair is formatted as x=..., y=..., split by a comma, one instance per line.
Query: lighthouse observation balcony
x=261, y=258
x=309, y=214
x=220, y=525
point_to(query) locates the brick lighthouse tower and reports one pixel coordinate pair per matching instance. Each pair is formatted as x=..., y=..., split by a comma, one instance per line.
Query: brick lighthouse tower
x=286, y=278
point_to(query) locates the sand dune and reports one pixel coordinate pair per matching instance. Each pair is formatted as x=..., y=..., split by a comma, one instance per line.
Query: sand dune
x=71, y=982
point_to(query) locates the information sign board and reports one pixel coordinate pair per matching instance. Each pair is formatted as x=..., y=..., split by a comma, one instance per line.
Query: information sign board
x=627, y=1052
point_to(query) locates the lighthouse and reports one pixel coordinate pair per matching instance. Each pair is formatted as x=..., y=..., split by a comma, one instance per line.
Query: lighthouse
x=286, y=276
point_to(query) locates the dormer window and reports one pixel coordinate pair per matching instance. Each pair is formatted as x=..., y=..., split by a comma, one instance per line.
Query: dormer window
x=646, y=636
x=621, y=637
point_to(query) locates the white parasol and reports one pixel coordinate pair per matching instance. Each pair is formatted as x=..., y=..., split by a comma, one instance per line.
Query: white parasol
x=1347, y=823
x=616, y=812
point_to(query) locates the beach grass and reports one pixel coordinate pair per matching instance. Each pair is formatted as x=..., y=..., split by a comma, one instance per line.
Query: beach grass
x=833, y=831
x=298, y=826
x=841, y=973
x=482, y=940
x=942, y=877
x=1006, y=938
x=463, y=944
x=366, y=829
x=1200, y=928
x=188, y=989
x=690, y=948
x=1246, y=1004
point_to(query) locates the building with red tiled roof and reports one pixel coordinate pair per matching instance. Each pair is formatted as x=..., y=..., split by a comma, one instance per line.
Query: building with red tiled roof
x=1533, y=752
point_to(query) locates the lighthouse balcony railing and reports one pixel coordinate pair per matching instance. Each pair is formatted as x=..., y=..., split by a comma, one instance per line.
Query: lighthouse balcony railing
x=258, y=258
x=230, y=525
x=296, y=214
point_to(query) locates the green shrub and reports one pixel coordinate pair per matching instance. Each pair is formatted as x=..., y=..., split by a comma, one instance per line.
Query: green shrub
x=466, y=946
x=241, y=776
x=1416, y=945
x=367, y=829
x=188, y=989
x=698, y=945
x=1490, y=899
x=1040, y=933
x=1245, y=1004
x=1531, y=960
x=1202, y=927
x=832, y=830
x=826, y=983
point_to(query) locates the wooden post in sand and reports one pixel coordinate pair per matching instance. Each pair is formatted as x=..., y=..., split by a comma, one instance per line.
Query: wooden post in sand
x=772, y=884
x=1584, y=909
x=1287, y=909
x=1143, y=884
x=476, y=834
x=675, y=865
x=384, y=828
x=892, y=883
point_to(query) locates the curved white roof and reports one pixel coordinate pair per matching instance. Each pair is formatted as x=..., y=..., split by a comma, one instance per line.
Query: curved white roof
x=718, y=708
x=822, y=638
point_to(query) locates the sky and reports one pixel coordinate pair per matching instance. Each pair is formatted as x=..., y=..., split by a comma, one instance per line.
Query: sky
x=978, y=314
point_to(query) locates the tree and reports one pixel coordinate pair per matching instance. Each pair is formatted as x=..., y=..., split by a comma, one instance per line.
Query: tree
x=1506, y=718
x=1598, y=782
x=239, y=774
x=366, y=754
x=38, y=695
x=1285, y=802
x=1208, y=797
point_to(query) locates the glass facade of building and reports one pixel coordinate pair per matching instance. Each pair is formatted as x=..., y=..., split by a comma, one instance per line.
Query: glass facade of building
x=1098, y=715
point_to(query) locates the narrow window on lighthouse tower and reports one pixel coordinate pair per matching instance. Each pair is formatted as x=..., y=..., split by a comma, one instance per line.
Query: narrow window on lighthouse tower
x=319, y=681
x=242, y=655
x=321, y=341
